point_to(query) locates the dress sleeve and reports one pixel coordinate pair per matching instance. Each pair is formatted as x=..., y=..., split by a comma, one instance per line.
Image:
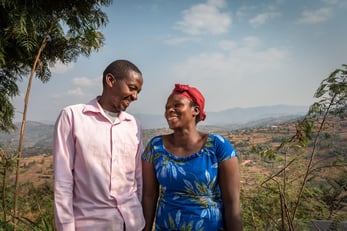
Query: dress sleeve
x=224, y=149
x=149, y=153
x=63, y=154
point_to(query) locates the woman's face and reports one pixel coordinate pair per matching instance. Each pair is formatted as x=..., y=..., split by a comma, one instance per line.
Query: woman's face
x=178, y=111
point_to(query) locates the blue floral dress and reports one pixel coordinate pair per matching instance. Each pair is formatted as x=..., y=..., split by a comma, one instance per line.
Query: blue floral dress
x=190, y=197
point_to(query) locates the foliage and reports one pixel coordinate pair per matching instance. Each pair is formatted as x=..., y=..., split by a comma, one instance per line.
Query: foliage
x=36, y=208
x=44, y=32
x=40, y=205
x=8, y=88
x=332, y=95
x=7, y=164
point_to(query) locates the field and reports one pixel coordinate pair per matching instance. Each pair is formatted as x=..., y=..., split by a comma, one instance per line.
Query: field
x=261, y=172
x=39, y=168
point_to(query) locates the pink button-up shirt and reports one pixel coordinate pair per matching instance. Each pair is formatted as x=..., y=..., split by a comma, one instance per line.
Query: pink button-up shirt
x=98, y=174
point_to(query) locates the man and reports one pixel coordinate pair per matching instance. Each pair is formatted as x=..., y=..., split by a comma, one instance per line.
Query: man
x=97, y=148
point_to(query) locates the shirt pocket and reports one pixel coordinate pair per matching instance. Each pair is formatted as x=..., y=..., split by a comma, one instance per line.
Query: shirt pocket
x=127, y=160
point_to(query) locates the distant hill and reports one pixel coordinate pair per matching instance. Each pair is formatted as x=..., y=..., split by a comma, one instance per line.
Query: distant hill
x=36, y=134
x=235, y=117
x=39, y=136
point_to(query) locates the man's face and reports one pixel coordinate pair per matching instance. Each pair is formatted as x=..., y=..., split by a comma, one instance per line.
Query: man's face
x=124, y=91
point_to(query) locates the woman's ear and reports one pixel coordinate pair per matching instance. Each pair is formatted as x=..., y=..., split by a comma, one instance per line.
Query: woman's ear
x=196, y=110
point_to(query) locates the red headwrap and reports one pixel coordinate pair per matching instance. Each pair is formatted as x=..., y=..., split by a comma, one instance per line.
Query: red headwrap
x=193, y=94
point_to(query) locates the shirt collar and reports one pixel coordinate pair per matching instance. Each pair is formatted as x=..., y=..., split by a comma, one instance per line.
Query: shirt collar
x=94, y=106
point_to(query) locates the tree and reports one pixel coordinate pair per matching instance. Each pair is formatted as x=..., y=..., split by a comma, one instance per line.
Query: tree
x=301, y=183
x=34, y=36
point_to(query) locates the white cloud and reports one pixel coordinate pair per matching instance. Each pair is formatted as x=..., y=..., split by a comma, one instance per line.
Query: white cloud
x=228, y=44
x=84, y=81
x=205, y=18
x=263, y=18
x=179, y=40
x=331, y=1
x=244, y=10
x=82, y=88
x=246, y=60
x=315, y=16
x=225, y=78
x=251, y=41
x=75, y=92
x=60, y=68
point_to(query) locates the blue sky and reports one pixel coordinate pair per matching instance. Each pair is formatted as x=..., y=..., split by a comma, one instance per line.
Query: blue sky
x=238, y=53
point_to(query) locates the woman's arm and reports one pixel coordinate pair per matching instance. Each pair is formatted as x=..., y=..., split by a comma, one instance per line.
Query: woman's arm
x=229, y=180
x=150, y=194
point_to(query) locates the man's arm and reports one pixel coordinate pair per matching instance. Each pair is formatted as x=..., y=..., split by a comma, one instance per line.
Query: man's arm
x=63, y=155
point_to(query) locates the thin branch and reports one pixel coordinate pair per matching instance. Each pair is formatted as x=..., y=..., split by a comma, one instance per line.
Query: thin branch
x=278, y=173
x=308, y=168
x=26, y=102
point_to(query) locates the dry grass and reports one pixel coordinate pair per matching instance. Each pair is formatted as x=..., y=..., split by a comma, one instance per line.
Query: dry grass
x=36, y=169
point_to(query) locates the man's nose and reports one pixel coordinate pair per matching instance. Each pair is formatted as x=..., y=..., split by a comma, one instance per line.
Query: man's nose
x=134, y=96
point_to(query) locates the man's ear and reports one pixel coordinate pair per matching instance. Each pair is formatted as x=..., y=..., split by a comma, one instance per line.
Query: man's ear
x=110, y=80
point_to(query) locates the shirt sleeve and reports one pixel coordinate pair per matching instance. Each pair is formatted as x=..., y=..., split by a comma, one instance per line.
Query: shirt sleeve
x=224, y=149
x=138, y=170
x=63, y=154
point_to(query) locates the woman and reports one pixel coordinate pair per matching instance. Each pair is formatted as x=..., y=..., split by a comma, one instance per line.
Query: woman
x=191, y=180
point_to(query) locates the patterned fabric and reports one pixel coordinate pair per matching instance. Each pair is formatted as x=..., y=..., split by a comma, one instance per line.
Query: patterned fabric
x=190, y=197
